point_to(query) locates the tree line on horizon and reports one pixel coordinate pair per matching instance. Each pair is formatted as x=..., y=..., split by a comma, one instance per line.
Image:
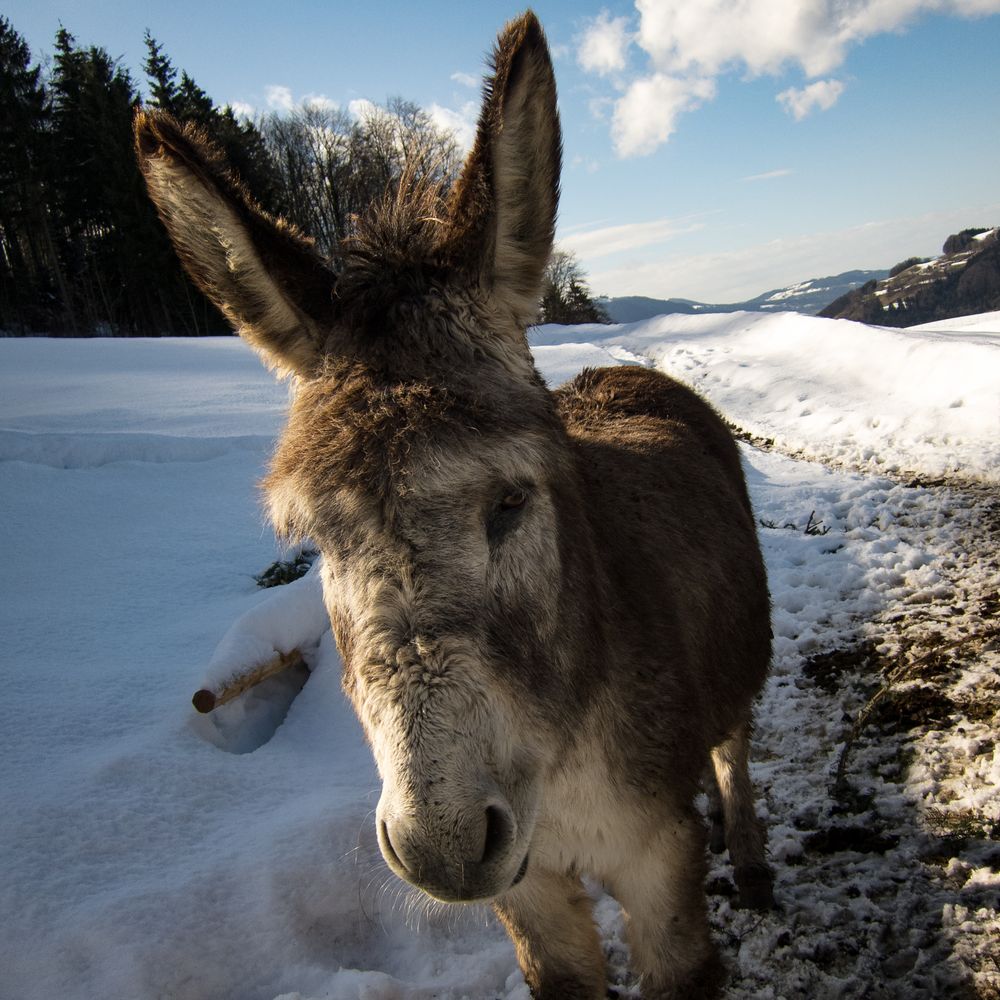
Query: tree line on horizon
x=82, y=252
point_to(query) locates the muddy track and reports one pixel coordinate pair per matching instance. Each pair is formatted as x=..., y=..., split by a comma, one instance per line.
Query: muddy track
x=890, y=875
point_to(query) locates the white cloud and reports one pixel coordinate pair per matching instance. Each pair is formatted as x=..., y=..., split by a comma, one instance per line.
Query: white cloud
x=461, y=123
x=320, y=101
x=604, y=44
x=700, y=41
x=279, y=98
x=770, y=175
x=243, y=110
x=764, y=36
x=646, y=116
x=363, y=109
x=587, y=163
x=601, y=107
x=822, y=94
x=465, y=79
x=607, y=240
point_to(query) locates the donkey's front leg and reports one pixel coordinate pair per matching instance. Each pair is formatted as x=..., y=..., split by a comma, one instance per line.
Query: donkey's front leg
x=550, y=920
x=662, y=891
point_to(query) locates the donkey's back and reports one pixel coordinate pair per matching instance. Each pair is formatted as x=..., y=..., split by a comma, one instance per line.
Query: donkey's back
x=668, y=505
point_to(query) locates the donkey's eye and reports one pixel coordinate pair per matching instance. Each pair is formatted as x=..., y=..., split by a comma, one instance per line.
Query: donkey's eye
x=514, y=500
x=505, y=513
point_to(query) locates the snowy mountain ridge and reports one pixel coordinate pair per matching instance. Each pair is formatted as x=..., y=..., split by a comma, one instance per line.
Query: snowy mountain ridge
x=807, y=297
x=964, y=280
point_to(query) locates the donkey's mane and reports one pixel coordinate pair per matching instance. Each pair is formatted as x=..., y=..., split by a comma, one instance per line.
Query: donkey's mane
x=395, y=254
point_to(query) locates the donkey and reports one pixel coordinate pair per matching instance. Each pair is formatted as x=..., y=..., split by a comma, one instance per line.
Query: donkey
x=551, y=607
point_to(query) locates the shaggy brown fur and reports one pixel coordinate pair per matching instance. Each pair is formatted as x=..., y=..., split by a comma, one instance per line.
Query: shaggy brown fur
x=551, y=607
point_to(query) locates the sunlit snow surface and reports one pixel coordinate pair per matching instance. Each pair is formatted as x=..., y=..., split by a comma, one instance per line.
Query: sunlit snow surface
x=921, y=400
x=142, y=860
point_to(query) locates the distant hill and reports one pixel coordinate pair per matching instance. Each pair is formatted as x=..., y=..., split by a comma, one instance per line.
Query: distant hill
x=807, y=297
x=632, y=308
x=963, y=281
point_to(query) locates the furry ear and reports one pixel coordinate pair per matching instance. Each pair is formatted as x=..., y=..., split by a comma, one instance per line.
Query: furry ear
x=267, y=278
x=503, y=208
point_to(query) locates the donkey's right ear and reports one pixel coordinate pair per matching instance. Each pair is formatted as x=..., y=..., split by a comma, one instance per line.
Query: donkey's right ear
x=267, y=278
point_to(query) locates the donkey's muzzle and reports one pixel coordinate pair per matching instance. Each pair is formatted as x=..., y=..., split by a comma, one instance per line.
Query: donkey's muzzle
x=473, y=858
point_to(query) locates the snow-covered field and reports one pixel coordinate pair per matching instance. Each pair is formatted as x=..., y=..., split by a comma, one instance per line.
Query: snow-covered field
x=144, y=856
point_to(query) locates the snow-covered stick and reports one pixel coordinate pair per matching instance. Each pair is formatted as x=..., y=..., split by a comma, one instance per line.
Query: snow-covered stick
x=205, y=699
x=274, y=635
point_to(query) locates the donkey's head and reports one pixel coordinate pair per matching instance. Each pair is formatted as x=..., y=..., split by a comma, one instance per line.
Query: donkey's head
x=424, y=457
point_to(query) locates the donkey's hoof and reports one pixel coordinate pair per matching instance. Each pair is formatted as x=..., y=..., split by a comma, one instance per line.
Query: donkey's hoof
x=756, y=885
x=702, y=983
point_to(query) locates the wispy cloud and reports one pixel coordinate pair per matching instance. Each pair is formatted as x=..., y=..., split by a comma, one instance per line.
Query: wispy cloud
x=320, y=101
x=607, y=240
x=604, y=44
x=587, y=163
x=465, y=79
x=822, y=94
x=243, y=110
x=361, y=108
x=769, y=176
x=733, y=275
x=280, y=98
x=690, y=45
x=461, y=122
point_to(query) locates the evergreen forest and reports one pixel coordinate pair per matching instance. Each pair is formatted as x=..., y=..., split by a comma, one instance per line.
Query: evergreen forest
x=82, y=252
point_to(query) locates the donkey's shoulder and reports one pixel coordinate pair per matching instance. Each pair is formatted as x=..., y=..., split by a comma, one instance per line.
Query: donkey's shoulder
x=611, y=412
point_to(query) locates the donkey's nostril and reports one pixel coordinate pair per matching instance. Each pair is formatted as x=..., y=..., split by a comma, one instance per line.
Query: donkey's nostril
x=386, y=844
x=499, y=833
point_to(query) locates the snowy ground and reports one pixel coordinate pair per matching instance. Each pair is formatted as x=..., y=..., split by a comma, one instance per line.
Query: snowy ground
x=144, y=857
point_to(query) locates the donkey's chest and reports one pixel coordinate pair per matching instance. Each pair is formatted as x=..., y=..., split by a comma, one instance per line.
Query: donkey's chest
x=589, y=822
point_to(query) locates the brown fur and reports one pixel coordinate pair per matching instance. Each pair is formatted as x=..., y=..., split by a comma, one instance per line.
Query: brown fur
x=551, y=607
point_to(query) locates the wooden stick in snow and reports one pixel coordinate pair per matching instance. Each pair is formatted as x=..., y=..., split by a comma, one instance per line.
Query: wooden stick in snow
x=206, y=699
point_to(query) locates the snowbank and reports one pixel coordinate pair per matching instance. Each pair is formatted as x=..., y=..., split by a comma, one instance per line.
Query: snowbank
x=920, y=400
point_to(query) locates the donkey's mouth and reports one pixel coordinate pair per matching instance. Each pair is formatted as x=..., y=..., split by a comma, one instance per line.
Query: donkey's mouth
x=521, y=872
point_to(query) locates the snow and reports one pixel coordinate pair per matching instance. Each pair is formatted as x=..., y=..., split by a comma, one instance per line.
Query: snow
x=791, y=291
x=150, y=852
x=988, y=323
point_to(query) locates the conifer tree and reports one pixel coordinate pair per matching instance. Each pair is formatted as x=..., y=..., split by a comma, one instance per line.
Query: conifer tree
x=30, y=278
x=241, y=142
x=161, y=75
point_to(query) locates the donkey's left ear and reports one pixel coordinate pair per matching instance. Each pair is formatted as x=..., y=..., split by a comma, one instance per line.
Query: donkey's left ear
x=266, y=277
x=505, y=202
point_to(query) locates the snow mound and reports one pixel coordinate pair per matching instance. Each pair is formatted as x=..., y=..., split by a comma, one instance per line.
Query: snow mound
x=913, y=401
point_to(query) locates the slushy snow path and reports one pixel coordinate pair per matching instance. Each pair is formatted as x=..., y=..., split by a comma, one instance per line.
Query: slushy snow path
x=143, y=859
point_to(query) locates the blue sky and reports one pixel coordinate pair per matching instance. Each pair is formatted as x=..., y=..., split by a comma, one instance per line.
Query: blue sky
x=713, y=149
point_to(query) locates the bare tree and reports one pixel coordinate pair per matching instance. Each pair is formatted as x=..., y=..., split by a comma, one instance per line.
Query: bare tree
x=566, y=295
x=333, y=165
